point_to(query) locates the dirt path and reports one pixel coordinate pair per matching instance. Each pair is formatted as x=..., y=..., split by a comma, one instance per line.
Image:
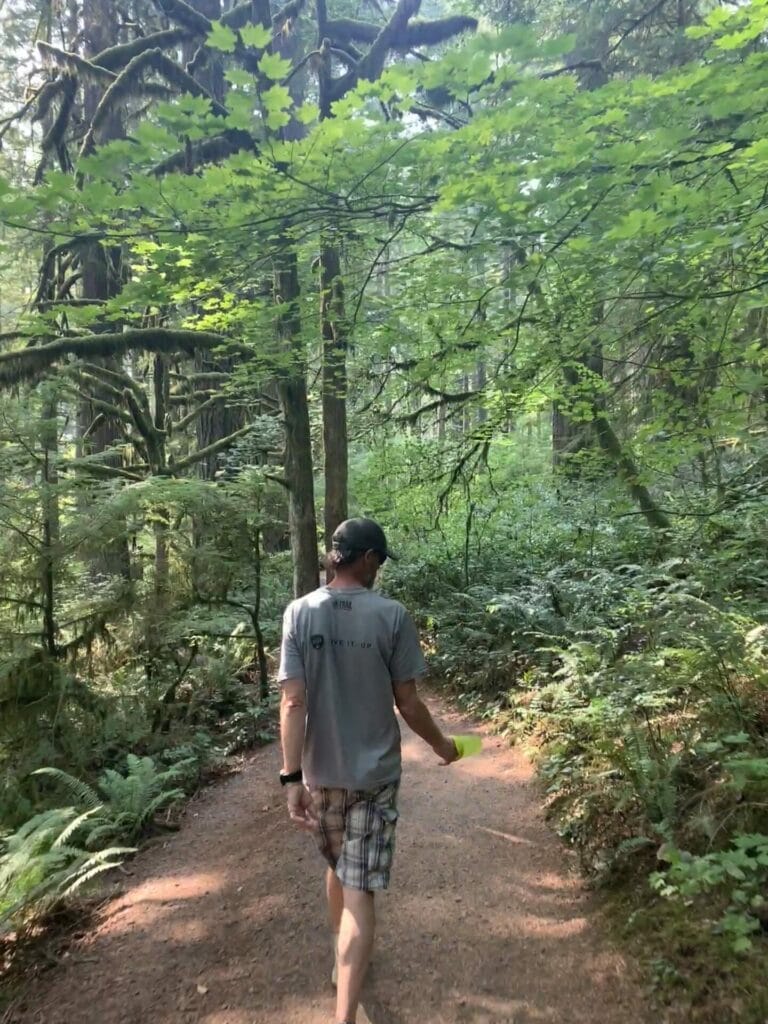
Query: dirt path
x=486, y=922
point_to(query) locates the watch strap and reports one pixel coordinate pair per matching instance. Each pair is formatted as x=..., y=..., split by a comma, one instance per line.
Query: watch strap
x=286, y=778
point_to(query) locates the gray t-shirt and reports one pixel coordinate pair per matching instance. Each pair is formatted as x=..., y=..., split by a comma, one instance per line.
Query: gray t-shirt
x=350, y=646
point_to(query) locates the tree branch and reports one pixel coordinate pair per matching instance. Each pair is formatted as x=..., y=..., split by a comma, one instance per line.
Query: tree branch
x=29, y=363
x=211, y=449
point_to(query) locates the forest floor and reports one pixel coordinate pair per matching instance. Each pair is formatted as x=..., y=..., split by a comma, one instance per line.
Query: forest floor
x=487, y=920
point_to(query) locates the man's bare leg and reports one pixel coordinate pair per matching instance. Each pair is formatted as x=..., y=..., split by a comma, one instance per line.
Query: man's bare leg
x=358, y=921
x=335, y=894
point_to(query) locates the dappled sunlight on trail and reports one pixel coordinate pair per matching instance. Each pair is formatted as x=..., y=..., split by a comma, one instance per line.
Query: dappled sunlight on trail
x=487, y=921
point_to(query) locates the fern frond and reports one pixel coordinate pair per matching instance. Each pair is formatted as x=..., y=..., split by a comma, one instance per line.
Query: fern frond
x=76, y=788
x=164, y=799
x=74, y=825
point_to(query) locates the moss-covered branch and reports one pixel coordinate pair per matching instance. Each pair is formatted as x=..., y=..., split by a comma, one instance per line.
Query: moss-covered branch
x=348, y=30
x=105, y=409
x=100, y=469
x=198, y=411
x=115, y=58
x=154, y=439
x=371, y=66
x=127, y=84
x=113, y=380
x=29, y=363
x=429, y=33
x=185, y=398
x=75, y=63
x=211, y=449
x=208, y=151
x=399, y=34
x=186, y=16
x=287, y=13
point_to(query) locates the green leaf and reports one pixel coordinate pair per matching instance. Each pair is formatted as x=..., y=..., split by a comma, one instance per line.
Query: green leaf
x=238, y=77
x=307, y=113
x=277, y=102
x=274, y=67
x=257, y=36
x=221, y=37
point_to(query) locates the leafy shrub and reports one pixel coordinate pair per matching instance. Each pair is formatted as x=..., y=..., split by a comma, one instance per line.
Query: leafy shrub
x=741, y=872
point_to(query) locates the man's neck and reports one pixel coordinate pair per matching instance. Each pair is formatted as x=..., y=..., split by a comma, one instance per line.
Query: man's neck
x=345, y=581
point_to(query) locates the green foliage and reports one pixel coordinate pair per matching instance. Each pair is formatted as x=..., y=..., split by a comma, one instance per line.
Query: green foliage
x=45, y=862
x=128, y=802
x=639, y=674
x=741, y=872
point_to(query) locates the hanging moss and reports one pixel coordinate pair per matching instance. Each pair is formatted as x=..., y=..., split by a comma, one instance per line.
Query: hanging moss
x=127, y=84
x=74, y=63
x=46, y=96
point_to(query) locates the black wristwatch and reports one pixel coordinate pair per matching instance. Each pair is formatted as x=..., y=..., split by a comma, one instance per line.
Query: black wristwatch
x=286, y=778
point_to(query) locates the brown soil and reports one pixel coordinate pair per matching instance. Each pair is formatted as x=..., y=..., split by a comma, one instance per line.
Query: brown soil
x=487, y=919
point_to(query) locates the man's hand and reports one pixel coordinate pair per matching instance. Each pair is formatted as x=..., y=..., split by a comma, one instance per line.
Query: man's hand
x=301, y=807
x=447, y=751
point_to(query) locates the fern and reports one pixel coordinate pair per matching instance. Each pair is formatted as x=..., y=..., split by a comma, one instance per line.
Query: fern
x=75, y=825
x=40, y=866
x=76, y=789
x=134, y=798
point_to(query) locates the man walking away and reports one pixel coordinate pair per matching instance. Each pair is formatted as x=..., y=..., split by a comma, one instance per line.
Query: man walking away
x=348, y=655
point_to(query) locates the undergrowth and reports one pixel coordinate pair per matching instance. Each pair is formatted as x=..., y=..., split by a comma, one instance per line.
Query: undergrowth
x=641, y=685
x=66, y=822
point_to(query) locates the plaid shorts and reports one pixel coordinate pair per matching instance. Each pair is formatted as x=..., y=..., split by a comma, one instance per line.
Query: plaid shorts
x=357, y=834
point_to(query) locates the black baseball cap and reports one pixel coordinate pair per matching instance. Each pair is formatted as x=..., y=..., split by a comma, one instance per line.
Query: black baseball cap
x=356, y=536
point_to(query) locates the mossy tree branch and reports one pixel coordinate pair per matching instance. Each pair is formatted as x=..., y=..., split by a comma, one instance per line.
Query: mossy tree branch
x=74, y=63
x=399, y=34
x=127, y=83
x=29, y=363
x=211, y=449
x=115, y=58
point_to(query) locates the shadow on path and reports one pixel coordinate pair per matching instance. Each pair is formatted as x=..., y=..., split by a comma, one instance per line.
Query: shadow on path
x=486, y=921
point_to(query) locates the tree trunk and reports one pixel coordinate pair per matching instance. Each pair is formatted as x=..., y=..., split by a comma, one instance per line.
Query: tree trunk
x=481, y=379
x=335, y=443
x=50, y=509
x=569, y=437
x=102, y=280
x=622, y=460
x=335, y=331
x=261, y=654
x=611, y=445
x=292, y=392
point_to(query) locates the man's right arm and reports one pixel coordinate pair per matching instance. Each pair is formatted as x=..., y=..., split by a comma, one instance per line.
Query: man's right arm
x=417, y=715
